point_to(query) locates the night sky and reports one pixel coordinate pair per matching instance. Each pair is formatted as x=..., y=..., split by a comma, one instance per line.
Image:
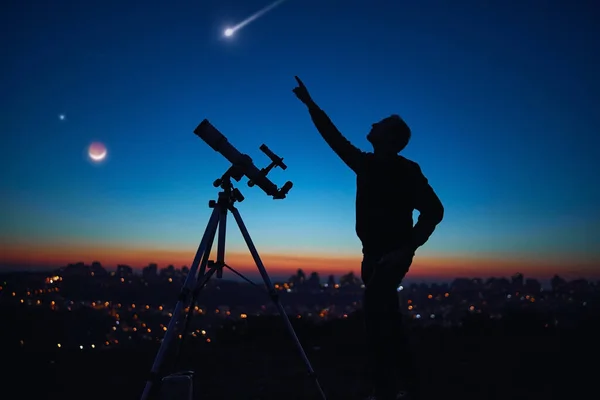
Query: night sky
x=502, y=98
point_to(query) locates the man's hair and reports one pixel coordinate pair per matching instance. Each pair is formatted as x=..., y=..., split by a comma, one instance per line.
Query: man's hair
x=400, y=130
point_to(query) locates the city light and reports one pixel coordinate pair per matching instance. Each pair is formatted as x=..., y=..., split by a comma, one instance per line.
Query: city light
x=147, y=320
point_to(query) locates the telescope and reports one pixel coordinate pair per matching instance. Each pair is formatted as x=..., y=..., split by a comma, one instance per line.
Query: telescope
x=242, y=164
x=179, y=385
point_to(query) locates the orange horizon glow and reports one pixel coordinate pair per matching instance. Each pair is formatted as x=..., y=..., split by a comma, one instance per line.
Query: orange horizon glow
x=424, y=266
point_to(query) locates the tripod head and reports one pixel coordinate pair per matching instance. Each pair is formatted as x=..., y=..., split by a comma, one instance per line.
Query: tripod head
x=242, y=163
x=230, y=194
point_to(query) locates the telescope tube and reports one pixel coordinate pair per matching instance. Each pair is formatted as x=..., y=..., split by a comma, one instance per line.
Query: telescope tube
x=215, y=139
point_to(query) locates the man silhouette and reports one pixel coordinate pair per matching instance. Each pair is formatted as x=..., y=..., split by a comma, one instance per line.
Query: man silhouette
x=389, y=188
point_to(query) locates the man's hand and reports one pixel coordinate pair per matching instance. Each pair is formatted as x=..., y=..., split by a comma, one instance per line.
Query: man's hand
x=402, y=257
x=302, y=93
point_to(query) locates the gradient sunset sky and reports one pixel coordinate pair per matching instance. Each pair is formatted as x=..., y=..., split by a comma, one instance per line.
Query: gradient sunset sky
x=502, y=97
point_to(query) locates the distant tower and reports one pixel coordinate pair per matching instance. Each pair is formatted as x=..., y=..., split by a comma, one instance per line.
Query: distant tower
x=331, y=281
x=150, y=272
x=533, y=285
x=557, y=283
x=300, y=276
x=185, y=271
x=168, y=272
x=314, y=280
x=518, y=279
x=124, y=271
x=349, y=279
x=97, y=269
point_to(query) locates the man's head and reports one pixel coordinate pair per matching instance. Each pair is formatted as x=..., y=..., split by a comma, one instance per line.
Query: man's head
x=390, y=135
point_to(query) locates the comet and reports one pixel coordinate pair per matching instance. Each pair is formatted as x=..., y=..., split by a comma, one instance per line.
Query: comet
x=232, y=30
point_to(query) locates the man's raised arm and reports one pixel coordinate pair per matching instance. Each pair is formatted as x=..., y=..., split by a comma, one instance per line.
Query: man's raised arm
x=350, y=154
x=431, y=210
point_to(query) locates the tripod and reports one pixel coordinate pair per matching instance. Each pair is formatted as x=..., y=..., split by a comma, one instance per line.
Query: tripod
x=192, y=285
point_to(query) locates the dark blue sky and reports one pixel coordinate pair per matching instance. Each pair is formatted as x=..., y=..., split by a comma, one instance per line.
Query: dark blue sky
x=502, y=98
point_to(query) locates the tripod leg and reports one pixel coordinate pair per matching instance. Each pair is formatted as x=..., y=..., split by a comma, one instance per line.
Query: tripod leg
x=206, y=255
x=188, y=286
x=202, y=279
x=274, y=296
x=221, y=242
x=203, y=276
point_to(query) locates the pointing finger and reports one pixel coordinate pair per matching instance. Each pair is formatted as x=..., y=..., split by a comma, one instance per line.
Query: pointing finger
x=300, y=83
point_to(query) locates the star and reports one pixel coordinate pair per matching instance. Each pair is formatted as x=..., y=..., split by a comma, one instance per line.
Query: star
x=61, y=117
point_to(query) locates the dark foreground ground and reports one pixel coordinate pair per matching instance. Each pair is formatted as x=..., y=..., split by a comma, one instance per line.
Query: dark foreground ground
x=469, y=363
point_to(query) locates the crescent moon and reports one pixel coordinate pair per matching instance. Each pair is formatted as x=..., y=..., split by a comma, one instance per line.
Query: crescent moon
x=98, y=157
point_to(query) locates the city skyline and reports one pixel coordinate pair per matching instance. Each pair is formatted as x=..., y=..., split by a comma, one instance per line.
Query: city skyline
x=444, y=268
x=81, y=319
x=504, y=129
